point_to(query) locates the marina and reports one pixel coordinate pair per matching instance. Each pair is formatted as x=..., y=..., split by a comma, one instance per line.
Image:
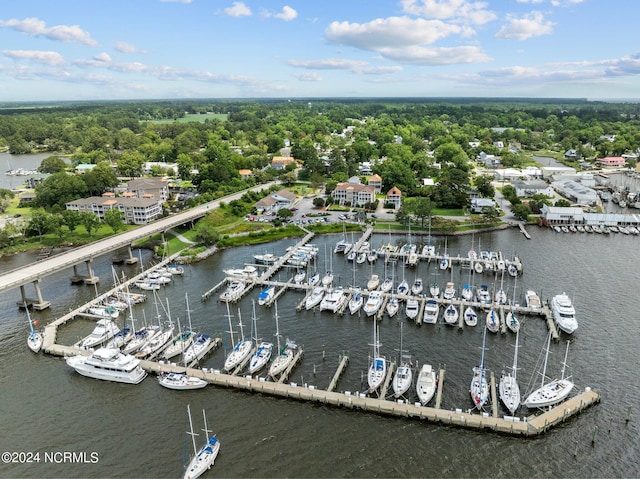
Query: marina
x=311, y=380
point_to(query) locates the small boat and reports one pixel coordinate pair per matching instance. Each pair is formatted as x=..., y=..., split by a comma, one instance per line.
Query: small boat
x=35, y=338
x=478, y=267
x=233, y=292
x=248, y=272
x=508, y=387
x=493, y=322
x=109, y=365
x=373, y=282
x=479, y=388
x=372, y=256
x=554, y=391
x=413, y=308
x=241, y=349
x=299, y=277
x=532, y=300
x=500, y=297
x=387, y=285
x=403, y=377
x=315, y=297
x=141, y=337
x=373, y=303
x=314, y=279
x=444, y=262
x=351, y=257
x=205, y=457
x=175, y=269
x=361, y=258
x=156, y=343
x=285, y=355
x=267, y=258
x=564, y=313
x=449, y=291
x=266, y=295
x=431, y=311
x=426, y=384
x=467, y=292
x=261, y=357
x=403, y=288
x=512, y=270
x=451, y=315
x=198, y=348
x=146, y=285
x=434, y=289
x=104, y=330
x=104, y=311
x=483, y=294
x=416, y=287
x=392, y=307
x=512, y=322
x=356, y=302
x=327, y=279
x=180, y=381
x=470, y=316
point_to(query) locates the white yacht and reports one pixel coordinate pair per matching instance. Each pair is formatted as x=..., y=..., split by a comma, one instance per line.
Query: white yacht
x=108, y=312
x=378, y=367
x=373, y=282
x=198, y=348
x=393, y=305
x=564, y=313
x=261, y=357
x=416, y=287
x=315, y=297
x=449, y=291
x=35, y=338
x=180, y=381
x=104, y=330
x=451, y=315
x=483, y=295
x=431, y=311
x=248, y=272
x=373, y=303
x=554, y=391
x=266, y=258
x=333, y=300
x=327, y=279
x=493, y=321
x=412, y=308
x=299, y=276
x=387, y=285
x=233, y=291
x=356, y=302
x=314, y=279
x=508, y=387
x=266, y=295
x=402, y=380
x=479, y=388
x=426, y=384
x=470, y=316
x=109, y=365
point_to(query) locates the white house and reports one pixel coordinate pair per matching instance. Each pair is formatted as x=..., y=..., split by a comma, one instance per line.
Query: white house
x=354, y=193
x=478, y=203
x=527, y=189
x=575, y=192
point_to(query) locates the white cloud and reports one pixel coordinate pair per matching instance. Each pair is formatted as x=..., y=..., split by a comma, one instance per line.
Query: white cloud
x=64, y=33
x=418, y=55
x=287, y=14
x=392, y=32
x=308, y=76
x=531, y=25
x=353, y=66
x=37, y=56
x=562, y=3
x=124, y=47
x=176, y=1
x=530, y=1
x=459, y=11
x=102, y=57
x=238, y=9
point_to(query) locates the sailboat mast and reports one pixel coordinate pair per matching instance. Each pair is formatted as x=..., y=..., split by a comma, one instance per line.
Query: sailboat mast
x=233, y=343
x=277, y=326
x=205, y=430
x=190, y=432
x=564, y=364
x=515, y=357
x=546, y=356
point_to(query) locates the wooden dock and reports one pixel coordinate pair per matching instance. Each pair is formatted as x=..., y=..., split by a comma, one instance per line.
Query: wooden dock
x=344, y=360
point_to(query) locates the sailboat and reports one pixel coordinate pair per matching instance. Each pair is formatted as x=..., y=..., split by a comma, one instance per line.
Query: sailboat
x=203, y=458
x=261, y=357
x=285, y=355
x=378, y=368
x=35, y=338
x=393, y=305
x=184, y=339
x=508, y=386
x=479, y=388
x=404, y=375
x=470, y=316
x=554, y=391
x=493, y=322
x=356, y=301
x=403, y=287
x=451, y=315
x=241, y=350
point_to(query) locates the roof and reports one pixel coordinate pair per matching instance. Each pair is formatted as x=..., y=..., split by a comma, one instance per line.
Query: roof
x=375, y=178
x=244, y=172
x=394, y=192
x=147, y=183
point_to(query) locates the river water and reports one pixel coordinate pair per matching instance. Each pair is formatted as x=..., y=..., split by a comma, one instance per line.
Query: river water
x=139, y=431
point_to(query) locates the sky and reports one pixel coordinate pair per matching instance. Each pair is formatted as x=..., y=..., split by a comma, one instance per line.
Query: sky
x=52, y=50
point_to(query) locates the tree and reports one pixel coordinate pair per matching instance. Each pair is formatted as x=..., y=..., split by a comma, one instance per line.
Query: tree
x=59, y=189
x=72, y=219
x=490, y=213
x=130, y=164
x=39, y=223
x=206, y=233
x=509, y=193
x=284, y=213
x=5, y=199
x=485, y=188
x=563, y=203
x=521, y=211
x=52, y=164
x=114, y=219
x=90, y=222
x=318, y=202
x=422, y=208
x=100, y=179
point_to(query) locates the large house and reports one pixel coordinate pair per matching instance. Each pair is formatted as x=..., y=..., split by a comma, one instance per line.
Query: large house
x=275, y=201
x=394, y=197
x=376, y=182
x=611, y=162
x=527, y=189
x=137, y=211
x=281, y=162
x=355, y=194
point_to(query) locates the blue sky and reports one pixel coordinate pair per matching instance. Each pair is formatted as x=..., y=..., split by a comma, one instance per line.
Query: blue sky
x=148, y=49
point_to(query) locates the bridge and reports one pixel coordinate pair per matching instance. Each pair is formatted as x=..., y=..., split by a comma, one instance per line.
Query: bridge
x=34, y=272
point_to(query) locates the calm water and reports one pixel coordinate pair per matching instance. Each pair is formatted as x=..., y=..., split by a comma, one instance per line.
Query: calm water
x=139, y=431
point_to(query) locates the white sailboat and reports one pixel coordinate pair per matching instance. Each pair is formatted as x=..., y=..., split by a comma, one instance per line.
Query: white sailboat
x=492, y=321
x=261, y=357
x=393, y=305
x=554, y=391
x=374, y=282
x=181, y=343
x=35, y=338
x=470, y=316
x=285, y=355
x=508, y=386
x=404, y=374
x=204, y=457
x=451, y=315
x=378, y=367
x=314, y=298
x=180, y=381
x=416, y=287
x=356, y=301
x=479, y=388
x=241, y=350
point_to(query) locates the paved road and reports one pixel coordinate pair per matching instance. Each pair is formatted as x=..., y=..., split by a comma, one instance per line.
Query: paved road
x=34, y=271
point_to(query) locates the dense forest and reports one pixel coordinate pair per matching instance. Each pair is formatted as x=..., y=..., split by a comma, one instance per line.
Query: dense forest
x=418, y=138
